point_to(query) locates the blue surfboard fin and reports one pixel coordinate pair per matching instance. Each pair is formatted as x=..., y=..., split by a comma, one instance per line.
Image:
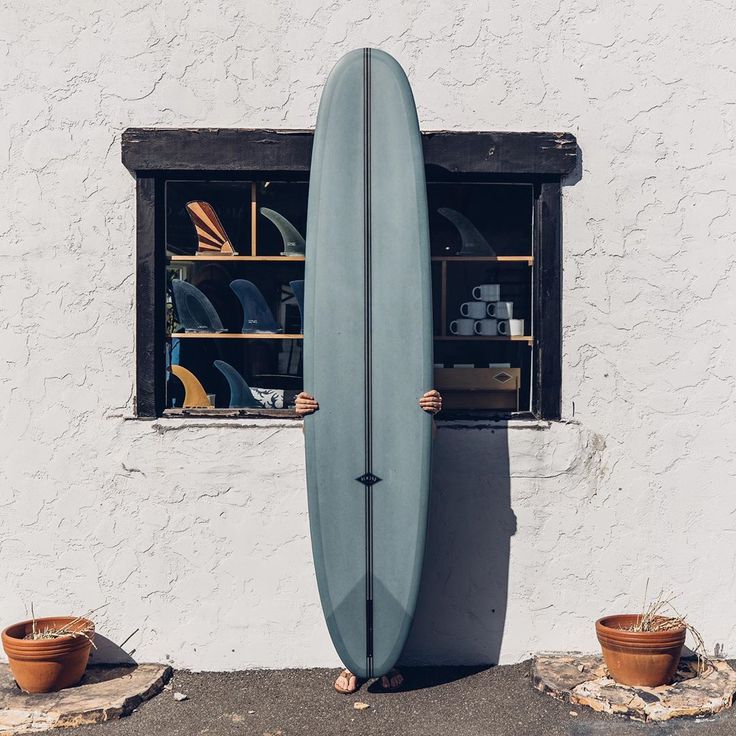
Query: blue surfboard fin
x=298, y=288
x=473, y=242
x=194, y=309
x=293, y=241
x=257, y=317
x=241, y=397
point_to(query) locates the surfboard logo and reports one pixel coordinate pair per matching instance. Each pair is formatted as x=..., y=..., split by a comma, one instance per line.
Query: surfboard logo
x=368, y=479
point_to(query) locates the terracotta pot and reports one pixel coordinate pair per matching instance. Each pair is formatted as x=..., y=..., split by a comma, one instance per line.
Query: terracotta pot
x=47, y=665
x=647, y=658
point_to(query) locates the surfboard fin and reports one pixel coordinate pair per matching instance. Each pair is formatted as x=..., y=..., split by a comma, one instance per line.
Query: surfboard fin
x=241, y=397
x=195, y=397
x=212, y=240
x=194, y=309
x=298, y=288
x=257, y=317
x=473, y=242
x=294, y=244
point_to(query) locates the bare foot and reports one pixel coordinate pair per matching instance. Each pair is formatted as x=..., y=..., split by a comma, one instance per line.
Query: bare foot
x=346, y=683
x=393, y=680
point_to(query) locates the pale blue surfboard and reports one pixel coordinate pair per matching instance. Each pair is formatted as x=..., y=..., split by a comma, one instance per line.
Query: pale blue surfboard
x=368, y=358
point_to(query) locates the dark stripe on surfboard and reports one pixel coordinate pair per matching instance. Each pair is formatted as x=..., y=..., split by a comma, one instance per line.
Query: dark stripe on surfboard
x=368, y=360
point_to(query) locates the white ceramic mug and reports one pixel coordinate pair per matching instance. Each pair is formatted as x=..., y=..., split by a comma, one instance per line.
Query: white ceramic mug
x=500, y=310
x=462, y=326
x=487, y=292
x=486, y=327
x=511, y=327
x=474, y=310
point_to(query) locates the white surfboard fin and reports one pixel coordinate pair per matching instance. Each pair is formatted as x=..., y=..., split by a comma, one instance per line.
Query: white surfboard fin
x=293, y=241
x=473, y=242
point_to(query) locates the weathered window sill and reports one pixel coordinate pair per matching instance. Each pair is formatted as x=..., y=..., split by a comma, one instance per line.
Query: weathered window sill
x=173, y=422
x=167, y=423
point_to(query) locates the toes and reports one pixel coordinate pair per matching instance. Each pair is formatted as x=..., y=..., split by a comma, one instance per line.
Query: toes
x=346, y=682
x=392, y=680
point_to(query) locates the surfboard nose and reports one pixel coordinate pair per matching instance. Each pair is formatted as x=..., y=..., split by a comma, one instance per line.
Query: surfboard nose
x=377, y=55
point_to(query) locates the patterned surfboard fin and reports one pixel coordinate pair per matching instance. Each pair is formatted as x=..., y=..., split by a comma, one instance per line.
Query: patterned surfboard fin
x=212, y=239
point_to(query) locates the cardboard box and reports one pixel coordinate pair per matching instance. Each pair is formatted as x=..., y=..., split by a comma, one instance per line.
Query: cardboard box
x=479, y=388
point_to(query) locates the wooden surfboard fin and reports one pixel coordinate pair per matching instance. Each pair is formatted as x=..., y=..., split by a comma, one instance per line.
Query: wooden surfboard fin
x=195, y=397
x=212, y=239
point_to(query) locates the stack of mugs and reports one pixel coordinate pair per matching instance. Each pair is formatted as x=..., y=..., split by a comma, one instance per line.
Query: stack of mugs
x=487, y=315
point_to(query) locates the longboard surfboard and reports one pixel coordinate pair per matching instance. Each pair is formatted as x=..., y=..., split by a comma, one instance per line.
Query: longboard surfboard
x=368, y=358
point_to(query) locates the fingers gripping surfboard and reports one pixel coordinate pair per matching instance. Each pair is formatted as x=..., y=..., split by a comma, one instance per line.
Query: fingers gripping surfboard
x=368, y=358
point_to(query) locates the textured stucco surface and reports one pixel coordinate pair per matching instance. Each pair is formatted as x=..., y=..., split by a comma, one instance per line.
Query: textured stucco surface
x=196, y=534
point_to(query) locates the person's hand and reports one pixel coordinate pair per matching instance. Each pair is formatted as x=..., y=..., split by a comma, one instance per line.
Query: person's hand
x=305, y=404
x=431, y=402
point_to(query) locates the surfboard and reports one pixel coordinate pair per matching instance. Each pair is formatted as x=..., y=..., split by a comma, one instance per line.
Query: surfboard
x=368, y=358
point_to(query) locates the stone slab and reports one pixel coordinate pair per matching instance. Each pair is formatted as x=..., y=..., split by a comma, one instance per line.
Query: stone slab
x=105, y=693
x=583, y=680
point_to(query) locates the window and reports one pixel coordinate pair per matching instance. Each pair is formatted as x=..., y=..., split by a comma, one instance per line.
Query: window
x=495, y=211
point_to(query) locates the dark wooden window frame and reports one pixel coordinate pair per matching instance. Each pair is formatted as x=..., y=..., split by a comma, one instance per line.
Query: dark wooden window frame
x=154, y=154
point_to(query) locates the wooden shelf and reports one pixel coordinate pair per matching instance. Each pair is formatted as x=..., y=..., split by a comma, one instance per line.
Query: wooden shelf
x=237, y=335
x=229, y=259
x=500, y=338
x=489, y=259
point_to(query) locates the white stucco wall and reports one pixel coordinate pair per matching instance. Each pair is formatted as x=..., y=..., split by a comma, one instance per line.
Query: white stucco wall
x=195, y=534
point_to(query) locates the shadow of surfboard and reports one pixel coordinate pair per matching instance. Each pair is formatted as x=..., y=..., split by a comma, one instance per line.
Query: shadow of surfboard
x=461, y=609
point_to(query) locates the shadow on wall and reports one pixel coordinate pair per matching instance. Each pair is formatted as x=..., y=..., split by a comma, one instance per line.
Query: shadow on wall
x=461, y=610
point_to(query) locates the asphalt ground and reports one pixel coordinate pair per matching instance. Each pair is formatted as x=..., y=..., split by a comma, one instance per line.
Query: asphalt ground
x=498, y=701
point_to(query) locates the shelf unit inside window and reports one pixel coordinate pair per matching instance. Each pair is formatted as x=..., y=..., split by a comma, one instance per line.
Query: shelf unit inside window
x=490, y=373
x=268, y=362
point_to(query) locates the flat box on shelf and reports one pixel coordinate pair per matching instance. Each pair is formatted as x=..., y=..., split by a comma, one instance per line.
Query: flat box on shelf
x=478, y=388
